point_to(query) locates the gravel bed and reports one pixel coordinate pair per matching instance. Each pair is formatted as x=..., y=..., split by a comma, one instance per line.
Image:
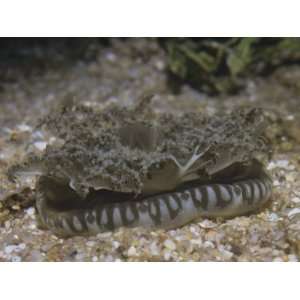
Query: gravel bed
x=272, y=234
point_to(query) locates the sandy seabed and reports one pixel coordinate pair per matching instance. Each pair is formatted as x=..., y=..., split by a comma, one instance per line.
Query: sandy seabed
x=272, y=234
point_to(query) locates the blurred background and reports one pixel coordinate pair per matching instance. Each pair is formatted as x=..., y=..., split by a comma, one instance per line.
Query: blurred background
x=184, y=74
x=36, y=72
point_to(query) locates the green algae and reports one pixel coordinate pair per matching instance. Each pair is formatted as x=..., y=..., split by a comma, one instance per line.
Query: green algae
x=222, y=65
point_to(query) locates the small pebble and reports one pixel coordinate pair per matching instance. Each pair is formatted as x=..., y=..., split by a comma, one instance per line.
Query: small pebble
x=80, y=256
x=154, y=249
x=24, y=127
x=36, y=256
x=273, y=217
x=16, y=259
x=10, y=248
x=40, y=145
x=132, y=251
x=16, y=207
x=110, y=56
x=225, y=253
x=22, y=246
x=293, y=212
x=52, y=140
x=30, y=211
x=7, y=224
x=167, y=254
x=32, y=226
x=197, y=242
x=292, y=257
x=280, y=163
x=295, y=199
x=104, y=235
x=90, y=243
x=207, y=224
x=278, y=259
x=37, y=134
x=110, y=258
x=169, y=244
x=115, y=244
x=160, y=65
x=208, y=244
